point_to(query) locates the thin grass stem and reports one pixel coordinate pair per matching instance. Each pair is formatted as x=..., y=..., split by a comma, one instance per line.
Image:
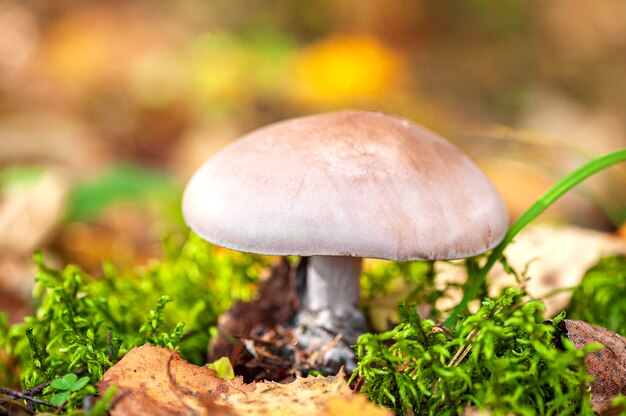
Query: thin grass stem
x=547, y=199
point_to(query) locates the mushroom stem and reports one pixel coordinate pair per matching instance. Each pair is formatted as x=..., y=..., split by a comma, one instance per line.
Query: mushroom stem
x=333, y=284
x=329, y=308
x=332, y=292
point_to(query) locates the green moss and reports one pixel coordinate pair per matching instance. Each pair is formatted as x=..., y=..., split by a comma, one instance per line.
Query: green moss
x=599, y=299
x=174, y=302
x=511, y=364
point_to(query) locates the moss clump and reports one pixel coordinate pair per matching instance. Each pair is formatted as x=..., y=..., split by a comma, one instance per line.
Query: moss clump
x=502, y=358
x=599, y=299
x=84, y=324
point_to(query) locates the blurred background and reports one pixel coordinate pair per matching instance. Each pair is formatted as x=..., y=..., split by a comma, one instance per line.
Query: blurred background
x=107, y=108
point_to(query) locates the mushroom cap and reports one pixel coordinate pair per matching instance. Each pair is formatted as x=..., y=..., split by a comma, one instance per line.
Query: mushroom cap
x=349, y=183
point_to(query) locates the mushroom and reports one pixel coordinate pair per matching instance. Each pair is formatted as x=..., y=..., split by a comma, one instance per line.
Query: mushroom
x=339, y=187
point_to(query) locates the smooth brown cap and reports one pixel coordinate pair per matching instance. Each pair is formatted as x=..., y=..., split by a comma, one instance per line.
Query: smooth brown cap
x=350, y=183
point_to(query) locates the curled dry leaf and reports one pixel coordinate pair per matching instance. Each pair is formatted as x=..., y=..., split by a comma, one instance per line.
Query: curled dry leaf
x=145, y=386
x=607, y=365
x=156, y=381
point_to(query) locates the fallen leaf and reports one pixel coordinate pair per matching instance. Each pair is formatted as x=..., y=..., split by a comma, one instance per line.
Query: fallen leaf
x=607, y=365
x=304, y=396
x=551, y=257
x=354, y=405
x=144, y=385
x=156, y=381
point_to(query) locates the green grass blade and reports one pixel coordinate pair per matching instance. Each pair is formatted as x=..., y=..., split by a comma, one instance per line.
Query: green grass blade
x=547, y=199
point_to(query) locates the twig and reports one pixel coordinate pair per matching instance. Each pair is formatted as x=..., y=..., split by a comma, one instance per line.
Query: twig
x=25, y=396
x=461, y=353
x=30, y=406
x=33, y=391
x=61, y=408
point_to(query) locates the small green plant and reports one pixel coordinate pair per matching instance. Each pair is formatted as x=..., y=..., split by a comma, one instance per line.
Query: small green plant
x=502, y=359
x=66, y=387
x=151, y=330
x=223, y=368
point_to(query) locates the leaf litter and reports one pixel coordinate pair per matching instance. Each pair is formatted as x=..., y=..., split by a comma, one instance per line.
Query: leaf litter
x=157, y=381
x=262, y=347
x=260, y=343
x=258, y=336
x=607, y=365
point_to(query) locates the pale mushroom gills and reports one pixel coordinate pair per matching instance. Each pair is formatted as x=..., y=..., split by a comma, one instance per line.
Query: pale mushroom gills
x=338, y=187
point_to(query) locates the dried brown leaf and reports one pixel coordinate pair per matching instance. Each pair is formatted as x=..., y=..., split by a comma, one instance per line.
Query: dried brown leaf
x=354, y=405
x=145, y=386
x=156, y=381
x=607, y=365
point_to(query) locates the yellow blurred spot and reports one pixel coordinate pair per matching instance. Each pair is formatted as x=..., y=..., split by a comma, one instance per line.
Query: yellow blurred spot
x=79, y=49
x=345, y=68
